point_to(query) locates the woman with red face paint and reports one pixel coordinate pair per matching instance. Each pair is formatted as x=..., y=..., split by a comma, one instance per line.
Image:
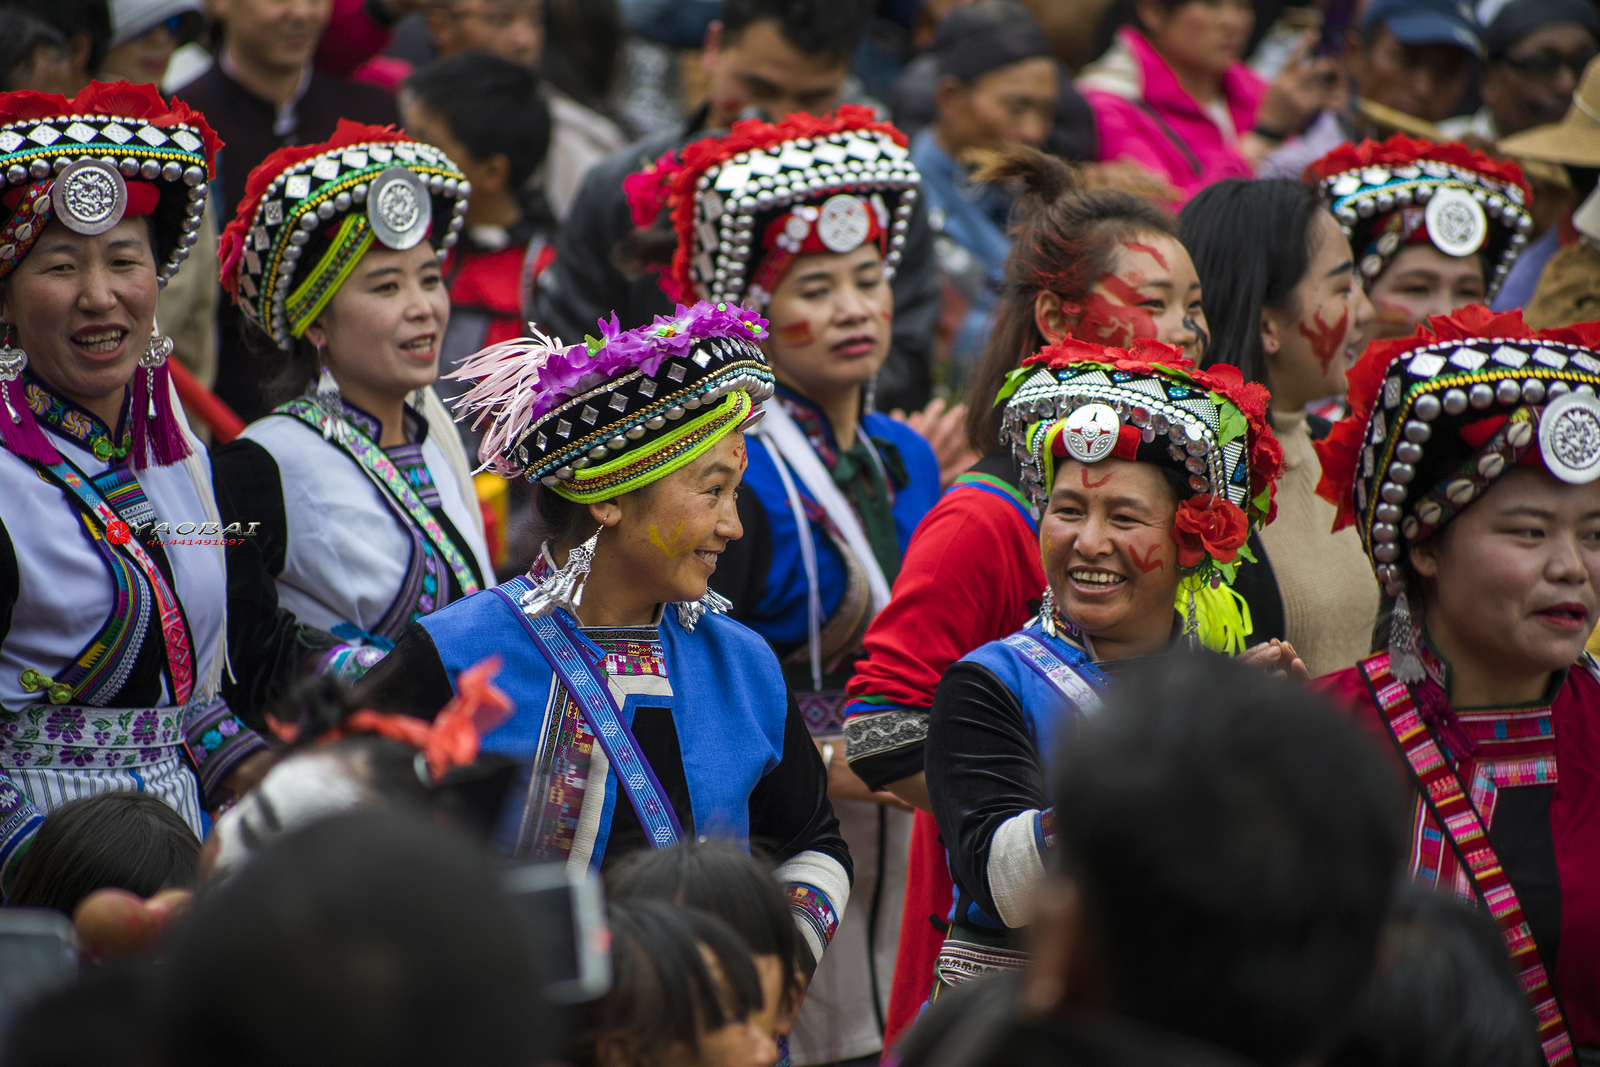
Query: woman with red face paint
x=1470, y=469
x=1149, y=474
x=1287, y=311
x=1434, y=227
x=1105, y=266
x=805, y=221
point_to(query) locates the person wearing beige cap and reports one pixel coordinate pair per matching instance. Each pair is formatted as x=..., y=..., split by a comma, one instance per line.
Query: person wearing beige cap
x=1566, y=262
x=144, y=34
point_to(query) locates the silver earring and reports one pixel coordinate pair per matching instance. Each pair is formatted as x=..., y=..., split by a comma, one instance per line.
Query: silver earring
x=1191, y=620
x=329, y=402
x=155, y=355
x=690, y=612
x=1405, y=657
x=13, y=361
x=1047, y=612
x=564, y=588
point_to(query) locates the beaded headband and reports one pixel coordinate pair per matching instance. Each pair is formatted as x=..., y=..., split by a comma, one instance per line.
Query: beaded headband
x=746, y=204
x=1436, y=418
x=1388, y=194
x=312, y=211
x=595, y=420
x=112, y=151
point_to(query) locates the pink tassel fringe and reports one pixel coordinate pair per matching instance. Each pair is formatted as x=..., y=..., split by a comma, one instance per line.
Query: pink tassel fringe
x=160, y=435
x=26, y=438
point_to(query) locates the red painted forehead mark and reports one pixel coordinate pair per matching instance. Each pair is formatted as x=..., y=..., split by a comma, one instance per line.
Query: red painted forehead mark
x=1087, y=484
x=744, y=460
x=1327, y=340
x=1149, y=250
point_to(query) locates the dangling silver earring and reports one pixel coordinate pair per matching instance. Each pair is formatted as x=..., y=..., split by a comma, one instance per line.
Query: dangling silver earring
x=1191, y=620
x=13, y=361
x=1047, y=612
x=691, y=612
x=1405, y=657
x=155, y=354
x=329, y=402
x=564, y=588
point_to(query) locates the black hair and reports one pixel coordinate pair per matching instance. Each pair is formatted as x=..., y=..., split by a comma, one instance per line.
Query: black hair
x=368, y=938
x=492, y=106
x=129, y=841
x=830, y=28
x=717, y=878
x=21, y=37
x=73, y=18
x=1065, y=241
x=1236, y=844
x=102, y=1018
x=663, y=991
x=1251, y=241
x=1445, y=997
x=583, y=49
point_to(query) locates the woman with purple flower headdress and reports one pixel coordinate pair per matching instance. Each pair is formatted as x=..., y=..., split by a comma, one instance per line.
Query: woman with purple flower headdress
x=644, y=714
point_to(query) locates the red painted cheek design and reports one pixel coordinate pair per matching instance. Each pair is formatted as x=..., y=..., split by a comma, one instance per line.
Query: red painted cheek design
x=1392, y=314
x=1150, y=562
x=1087, y=484
x=797, y=333
x=1326, y=341
x=1153, y=253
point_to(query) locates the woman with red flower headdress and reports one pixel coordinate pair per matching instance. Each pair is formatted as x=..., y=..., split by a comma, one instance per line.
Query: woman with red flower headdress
x=360, y=482
x=1434, y=227
x=1149, y=475
x=1470, y=466
x=805, y=220
x=113, y=574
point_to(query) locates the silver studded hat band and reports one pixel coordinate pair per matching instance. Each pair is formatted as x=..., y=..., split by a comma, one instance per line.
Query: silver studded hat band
x=88, y=171
x=1448, y=419
x=307, y=219
x=1386, y=195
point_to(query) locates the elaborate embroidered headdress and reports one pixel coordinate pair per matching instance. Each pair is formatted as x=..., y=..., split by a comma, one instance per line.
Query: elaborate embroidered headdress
x=744, y=205
x=605, y=417
x=1151, y=405
x=311, y=212
x=1436, y=418
x=1403, y=191
x=112, y=151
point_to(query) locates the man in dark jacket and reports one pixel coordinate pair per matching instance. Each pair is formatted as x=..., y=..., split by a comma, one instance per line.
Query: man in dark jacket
x=763, y=57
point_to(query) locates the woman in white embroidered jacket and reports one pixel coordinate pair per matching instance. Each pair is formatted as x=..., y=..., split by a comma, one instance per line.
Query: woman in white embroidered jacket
x=359, y=480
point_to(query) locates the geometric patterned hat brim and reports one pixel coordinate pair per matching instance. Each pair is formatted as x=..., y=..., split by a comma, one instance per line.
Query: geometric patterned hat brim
x=1410, y=479
x=317, y=193
x=1179, y=421
x=173, y=158
x=630, y=412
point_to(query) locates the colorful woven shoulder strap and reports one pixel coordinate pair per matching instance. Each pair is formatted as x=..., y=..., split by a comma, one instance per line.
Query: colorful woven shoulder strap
x=1469, y=840
x=988, y=483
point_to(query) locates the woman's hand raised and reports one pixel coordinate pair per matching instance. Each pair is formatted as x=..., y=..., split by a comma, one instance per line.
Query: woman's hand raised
x=1277, y=658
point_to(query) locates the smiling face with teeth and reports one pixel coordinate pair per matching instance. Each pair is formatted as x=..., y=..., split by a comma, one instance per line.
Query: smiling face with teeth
x=1106, y=545
x=82, y=307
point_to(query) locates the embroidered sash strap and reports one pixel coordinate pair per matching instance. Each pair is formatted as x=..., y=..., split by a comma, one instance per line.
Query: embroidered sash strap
x=1468, y=838
x=381, y=469
x=1064, y=668
x=174, y=630
x=576, y=668
x=20, y=819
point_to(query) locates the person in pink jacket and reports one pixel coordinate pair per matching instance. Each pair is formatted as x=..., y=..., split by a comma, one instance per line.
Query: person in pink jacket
x=1176, y=100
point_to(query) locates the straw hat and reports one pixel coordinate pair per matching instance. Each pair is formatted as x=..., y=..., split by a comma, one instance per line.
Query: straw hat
x=1575, y=140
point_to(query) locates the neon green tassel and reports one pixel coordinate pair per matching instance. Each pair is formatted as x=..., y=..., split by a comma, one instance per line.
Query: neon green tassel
x=1222, y=615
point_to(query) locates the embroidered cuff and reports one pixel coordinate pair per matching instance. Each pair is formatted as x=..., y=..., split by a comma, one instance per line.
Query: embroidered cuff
x=19, y=821
x=814, y=914
x=217, y=743
x=883, y=742
x=1044, y=831
x=349, y=662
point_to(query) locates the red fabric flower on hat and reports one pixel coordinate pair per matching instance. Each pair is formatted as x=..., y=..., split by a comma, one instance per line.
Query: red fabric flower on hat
x=1402, y=150
x=1209, y=526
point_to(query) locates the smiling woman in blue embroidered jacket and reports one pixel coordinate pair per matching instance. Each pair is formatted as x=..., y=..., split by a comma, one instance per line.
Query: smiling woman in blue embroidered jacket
x=1148, y=474
x=112, y=646
x=644, y=715
x=369, y=518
